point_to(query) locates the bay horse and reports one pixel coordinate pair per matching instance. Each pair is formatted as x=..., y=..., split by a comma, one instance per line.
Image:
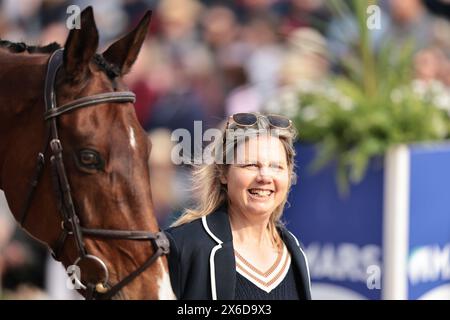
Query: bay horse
x=74, y=161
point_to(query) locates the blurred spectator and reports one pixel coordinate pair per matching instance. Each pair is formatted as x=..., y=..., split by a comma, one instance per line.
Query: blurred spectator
x=243, y=97
x=402, y=22
x=6, y=232
x=411, y=20
x=24, y=260
x=428, y=63
x=306, y=57
x=53, y=11
x=302, y=13
x=140, y=80
x=220, y=27
x=22, y=17
x=343, y=35
x=263, y=64
x=176, y=104
x=177, y=108
x=3, y=23
x=134, y=9
x=178, y=25
x=432, y=64
x=21, y=260
x=246, y=10
x=439, y=7
x=444, y=74
x=110, y=18
x=162, y=175
x=190, y=62
x=54, y=32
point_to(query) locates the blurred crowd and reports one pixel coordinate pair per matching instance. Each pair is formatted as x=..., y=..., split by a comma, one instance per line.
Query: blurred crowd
x=204, y=60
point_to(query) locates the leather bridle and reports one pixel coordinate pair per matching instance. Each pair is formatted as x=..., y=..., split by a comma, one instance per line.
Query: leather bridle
x=70, y=223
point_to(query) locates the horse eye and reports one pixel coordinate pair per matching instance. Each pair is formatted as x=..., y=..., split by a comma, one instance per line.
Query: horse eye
x=90, y=159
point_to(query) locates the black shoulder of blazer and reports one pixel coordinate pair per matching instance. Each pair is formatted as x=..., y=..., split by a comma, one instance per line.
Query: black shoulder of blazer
x=202, y=264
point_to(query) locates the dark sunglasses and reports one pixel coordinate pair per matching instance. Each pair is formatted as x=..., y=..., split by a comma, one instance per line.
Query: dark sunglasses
x=250, y=119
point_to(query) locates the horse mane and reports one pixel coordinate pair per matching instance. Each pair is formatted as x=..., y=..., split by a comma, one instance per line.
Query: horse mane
x=18, y=47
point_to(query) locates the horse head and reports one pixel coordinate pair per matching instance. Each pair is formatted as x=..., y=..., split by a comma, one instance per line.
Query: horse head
x=89, y=199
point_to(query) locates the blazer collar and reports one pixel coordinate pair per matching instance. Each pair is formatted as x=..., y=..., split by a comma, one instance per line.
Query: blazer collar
x=219, y=226
x=299, y=260
x=222, y=262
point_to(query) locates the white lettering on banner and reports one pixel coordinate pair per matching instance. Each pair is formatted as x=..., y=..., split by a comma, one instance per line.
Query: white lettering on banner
x=342, y=262
x=429, y=263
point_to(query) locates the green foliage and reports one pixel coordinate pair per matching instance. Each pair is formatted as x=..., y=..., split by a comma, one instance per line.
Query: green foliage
x=375, y=104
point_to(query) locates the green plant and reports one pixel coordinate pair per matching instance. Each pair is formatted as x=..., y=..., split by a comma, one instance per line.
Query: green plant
x=373, y=105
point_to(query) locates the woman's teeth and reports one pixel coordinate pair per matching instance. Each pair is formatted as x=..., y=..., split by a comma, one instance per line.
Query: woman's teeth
x=260, y=192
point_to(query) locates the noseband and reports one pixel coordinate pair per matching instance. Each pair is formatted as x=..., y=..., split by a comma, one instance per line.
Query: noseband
x=70, y=223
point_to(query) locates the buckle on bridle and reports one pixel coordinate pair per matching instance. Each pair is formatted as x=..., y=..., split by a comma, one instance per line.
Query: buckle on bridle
x=56, y=146
x=100, y=287
x=162, y=242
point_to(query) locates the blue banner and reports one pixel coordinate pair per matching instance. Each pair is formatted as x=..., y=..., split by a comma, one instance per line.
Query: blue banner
x=342, y=235
x=429, y=222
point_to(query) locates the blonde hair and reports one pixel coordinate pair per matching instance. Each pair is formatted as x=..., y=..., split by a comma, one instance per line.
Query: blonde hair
x=211, y=193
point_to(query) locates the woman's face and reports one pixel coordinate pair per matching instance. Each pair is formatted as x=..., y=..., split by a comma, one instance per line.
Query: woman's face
x=259, y=182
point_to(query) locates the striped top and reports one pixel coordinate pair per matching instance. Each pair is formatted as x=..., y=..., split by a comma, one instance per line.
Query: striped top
x=269, y=279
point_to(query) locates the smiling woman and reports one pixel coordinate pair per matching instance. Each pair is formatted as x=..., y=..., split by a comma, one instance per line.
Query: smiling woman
x=233, y=244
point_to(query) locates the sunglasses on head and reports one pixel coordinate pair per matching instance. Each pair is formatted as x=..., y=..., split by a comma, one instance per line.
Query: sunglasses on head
x=247, y=119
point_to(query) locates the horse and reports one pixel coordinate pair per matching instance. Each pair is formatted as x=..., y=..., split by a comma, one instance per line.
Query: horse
x=74, y=161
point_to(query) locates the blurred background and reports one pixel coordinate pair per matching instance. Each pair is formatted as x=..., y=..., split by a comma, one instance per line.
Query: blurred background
x=357, y=77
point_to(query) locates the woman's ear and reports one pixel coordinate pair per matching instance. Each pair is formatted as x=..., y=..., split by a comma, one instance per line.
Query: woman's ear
x=223, y=179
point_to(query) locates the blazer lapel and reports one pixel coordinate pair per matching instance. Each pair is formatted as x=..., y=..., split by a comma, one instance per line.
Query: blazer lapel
x=225, y=272
x=223, y=263
x=299, y=261
x=222, y=259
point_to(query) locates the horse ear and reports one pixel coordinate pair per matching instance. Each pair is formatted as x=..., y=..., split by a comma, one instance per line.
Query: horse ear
x=81, y=45
x=123, y=53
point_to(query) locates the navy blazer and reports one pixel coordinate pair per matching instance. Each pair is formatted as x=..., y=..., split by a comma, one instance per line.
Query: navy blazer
x=202, y=264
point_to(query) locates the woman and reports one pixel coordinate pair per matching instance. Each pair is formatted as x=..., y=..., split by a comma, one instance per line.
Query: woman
x=233, y=245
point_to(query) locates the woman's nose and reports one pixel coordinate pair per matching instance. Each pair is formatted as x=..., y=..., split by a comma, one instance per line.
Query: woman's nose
x=264, y=174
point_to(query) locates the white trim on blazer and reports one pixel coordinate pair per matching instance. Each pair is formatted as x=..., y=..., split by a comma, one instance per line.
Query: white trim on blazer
x=212, y=267
x=306, y=259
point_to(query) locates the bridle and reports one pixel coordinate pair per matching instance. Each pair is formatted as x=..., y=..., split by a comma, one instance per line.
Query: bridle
x=70, y=223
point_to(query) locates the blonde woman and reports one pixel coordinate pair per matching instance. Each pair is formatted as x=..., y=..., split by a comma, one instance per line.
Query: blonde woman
x=233, y=245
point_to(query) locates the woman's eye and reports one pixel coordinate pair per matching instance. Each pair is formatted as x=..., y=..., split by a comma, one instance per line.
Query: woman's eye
x=250, y=165
x=277, y=166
